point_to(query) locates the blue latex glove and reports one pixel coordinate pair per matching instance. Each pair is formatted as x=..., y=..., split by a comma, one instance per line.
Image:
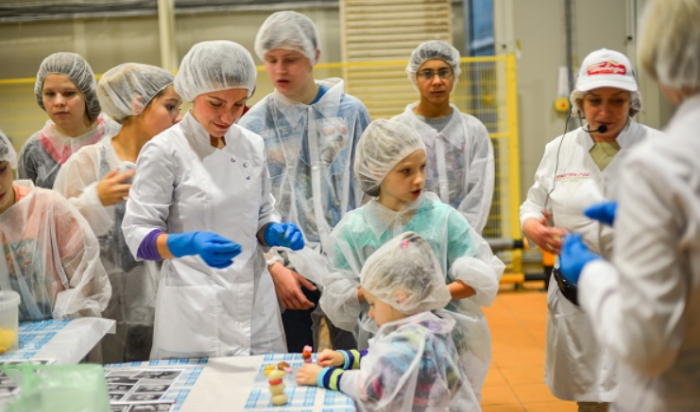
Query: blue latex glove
x=283, y=235
x=603, y=212
x=574, y=256
x=216, y=251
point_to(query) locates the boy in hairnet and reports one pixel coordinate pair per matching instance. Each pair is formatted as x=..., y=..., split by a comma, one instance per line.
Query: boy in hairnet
x=310, y=128
x=459, y=151
x=412, y=364
x=66, y=89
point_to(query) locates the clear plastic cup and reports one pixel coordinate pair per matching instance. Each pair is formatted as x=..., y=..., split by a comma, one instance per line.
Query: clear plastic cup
x=9, y=319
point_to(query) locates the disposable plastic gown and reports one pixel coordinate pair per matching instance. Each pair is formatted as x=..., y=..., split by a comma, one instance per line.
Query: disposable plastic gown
x=52, y=258
x=412, y=365
x=47, y=150
x=133, y=282
x=310, y=153
x=645, y=303
x=462, y=254
x=460, y=163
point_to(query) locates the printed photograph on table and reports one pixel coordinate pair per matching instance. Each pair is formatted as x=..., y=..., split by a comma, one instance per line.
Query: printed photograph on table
x=144, y=397
x=154, y=407
x=116, y=387
x=124, y=380
x=155, y=374
x=152, y=389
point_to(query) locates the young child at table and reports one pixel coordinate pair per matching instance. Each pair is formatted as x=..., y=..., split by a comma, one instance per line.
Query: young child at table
x=412, y=363
x=390, y=164
x=50, y=257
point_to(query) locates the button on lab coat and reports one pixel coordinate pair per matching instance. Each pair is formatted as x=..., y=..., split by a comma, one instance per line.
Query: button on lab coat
x=645, y=305
x=183, y=184
x=576, y=367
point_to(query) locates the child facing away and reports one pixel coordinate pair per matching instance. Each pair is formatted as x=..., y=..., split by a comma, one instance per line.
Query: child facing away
x=390, y=164
x=412, y=363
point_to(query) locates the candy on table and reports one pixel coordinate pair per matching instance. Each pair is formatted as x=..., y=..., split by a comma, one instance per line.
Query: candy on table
x=277, y=388
x=306, y=353
x=268, y=369
x=8, y=339
x=284, y=366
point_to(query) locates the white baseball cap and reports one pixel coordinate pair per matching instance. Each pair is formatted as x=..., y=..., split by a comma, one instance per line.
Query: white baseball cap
x=606, y=68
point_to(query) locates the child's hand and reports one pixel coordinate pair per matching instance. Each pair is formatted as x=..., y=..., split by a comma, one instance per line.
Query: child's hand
x=330, y=358
x=308, y=374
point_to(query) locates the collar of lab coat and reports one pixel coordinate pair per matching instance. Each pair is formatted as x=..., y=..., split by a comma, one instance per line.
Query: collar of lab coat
x=451, y=132
x=193, y=128
x=624, y=139
x=327, y=106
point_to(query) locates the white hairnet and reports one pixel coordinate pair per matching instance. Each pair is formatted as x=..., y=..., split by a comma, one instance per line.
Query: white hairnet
x=383, y=145
x=288, y=30
x=405, y=274
x=430, y=50
x=7, y=152
x=74, y=67
x=127, y=89
x=213, y=66
x=669, y=48
x=577, y=96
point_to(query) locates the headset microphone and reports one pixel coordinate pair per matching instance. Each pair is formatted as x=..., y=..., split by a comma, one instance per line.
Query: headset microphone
x=601, y=129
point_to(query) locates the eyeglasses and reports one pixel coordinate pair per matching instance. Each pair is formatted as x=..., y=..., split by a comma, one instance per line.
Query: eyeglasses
x=429, y=74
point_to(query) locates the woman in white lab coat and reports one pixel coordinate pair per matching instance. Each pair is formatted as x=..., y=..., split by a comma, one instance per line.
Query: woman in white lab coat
x=645, y=302
x=579, y=169
x=201, y=201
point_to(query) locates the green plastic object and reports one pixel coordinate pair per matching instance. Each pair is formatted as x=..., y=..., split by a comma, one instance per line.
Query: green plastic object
x=59, y=388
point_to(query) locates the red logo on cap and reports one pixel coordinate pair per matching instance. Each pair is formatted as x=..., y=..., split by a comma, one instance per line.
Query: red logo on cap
x=607, y=67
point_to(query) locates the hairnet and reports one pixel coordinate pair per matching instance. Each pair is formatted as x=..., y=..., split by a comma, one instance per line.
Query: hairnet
x=669, y=48
x=288, y=30
x=74, y=67
x=430, y=50
x=127, y=89
x=383, y=144
x=405, y=274
x=7, y=152
x=213, y=66
x=577, y=96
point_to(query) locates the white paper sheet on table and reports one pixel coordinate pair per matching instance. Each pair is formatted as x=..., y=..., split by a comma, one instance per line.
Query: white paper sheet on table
x=67, y=342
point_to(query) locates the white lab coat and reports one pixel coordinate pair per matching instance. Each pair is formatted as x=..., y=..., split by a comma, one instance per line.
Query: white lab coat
x=576, y=367
x=460, y=163
x=646, y=303
x=183, y=184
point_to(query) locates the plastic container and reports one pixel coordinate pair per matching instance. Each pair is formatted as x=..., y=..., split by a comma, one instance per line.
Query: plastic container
x=9, y=319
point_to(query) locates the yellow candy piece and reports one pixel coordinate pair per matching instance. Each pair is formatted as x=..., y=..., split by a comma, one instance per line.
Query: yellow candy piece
x=277, y=389
x=275, y=374
x=280, y=399
x=268, y=369
x=8, y=339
